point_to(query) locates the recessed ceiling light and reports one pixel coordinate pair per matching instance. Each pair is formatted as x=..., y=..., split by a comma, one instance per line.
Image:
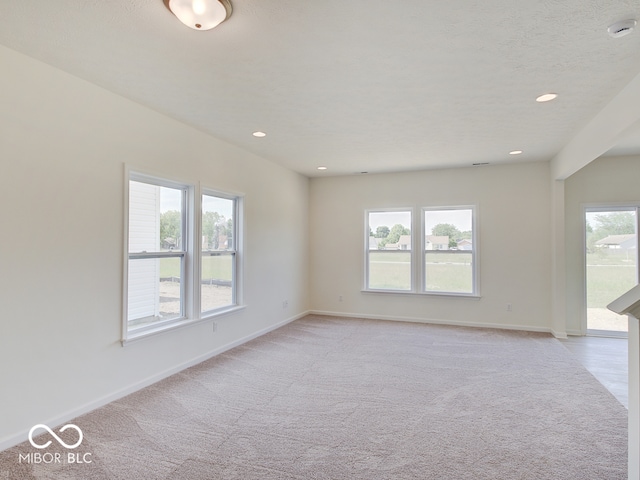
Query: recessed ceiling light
x=546, y=97
x=259, y=134
x=322, y=168
x=515, y=152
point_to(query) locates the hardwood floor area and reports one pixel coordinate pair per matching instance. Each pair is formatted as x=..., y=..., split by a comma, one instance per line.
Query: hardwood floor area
x=606, y=358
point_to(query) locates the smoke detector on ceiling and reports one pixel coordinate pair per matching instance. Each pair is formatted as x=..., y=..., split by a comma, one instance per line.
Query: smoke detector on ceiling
x=622, y=28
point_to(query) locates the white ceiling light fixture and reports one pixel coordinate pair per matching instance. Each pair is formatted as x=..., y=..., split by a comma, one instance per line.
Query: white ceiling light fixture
x=259, y=134
x=515, y=152
x=547, y=97
x=622, y=28
x=322, y=168
x=200, y=14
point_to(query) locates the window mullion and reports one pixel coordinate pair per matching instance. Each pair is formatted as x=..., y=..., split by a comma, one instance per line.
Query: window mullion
x=637, y=244
x=416, y=225
x=142, y=255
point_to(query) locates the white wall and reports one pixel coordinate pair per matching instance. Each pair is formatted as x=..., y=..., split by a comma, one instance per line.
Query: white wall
x=605, y=181
x=63, y=146
x=514, y=224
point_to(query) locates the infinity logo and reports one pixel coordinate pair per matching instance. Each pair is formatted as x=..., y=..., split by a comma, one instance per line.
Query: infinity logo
x=69, y=425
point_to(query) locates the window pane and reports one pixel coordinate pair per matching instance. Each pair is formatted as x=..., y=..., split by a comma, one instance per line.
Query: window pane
x=389, y=245
x=154, y=290
x=155, y=218
x=390, y=230
x=217, y=281
x=449, y=230
x=390, y=270
x=611, y=264
x=449, y=272
x=217, y=223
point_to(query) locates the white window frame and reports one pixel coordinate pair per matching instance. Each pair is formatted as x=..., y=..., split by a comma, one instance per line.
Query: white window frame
x=474, y=257
x=190, y=253
x=185, y=255
x=418, y=253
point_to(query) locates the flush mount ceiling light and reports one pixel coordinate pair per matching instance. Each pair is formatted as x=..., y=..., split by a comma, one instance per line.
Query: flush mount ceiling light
x=259, y=134
x=515, y=152
x=322, y=168
x=547, y=97
x=200, y=14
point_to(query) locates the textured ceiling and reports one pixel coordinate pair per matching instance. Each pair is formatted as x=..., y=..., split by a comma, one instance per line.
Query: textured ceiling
x=355, y=85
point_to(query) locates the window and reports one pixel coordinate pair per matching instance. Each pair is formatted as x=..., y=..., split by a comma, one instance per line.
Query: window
x=171, y=278
x=449, y=250
x=441, y=260
x=157, y=255
x=218, y=253
x=389, y=259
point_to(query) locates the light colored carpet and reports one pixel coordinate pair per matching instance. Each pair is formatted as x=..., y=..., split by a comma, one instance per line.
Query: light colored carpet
x=326, y=398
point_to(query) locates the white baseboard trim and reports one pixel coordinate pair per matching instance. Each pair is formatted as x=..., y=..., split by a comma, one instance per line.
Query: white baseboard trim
x=435, y=321
x=575, y=333
x=12, y=440
x=559, y=335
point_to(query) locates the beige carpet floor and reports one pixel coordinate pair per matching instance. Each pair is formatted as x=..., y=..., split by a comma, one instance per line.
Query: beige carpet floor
x=327, y=398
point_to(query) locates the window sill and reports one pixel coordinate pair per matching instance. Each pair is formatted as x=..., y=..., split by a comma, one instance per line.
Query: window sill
x=221, y=312
x=473, y=296
x=178, y=324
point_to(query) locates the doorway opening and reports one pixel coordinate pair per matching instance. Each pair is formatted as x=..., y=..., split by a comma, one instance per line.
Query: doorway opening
x=611, y=265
